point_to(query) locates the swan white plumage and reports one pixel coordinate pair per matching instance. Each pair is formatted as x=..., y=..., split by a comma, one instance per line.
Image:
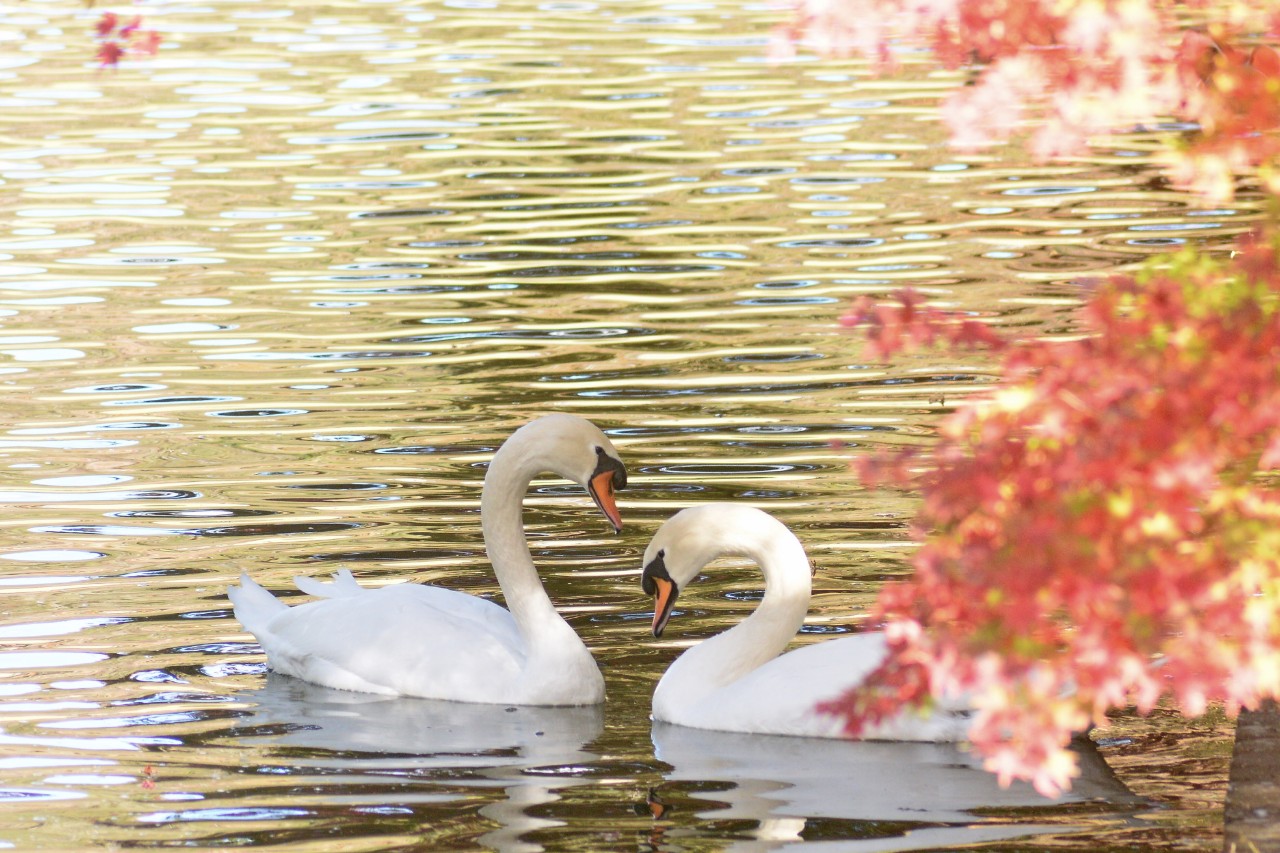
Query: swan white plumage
x=438, y=643
x=736, y=681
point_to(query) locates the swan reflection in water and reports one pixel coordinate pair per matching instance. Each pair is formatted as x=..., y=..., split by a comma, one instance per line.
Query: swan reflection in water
x=529, y=752
x=784, y=783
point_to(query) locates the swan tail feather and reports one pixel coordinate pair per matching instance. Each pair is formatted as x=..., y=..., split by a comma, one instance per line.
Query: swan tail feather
x=253, y=605
x=343, y=585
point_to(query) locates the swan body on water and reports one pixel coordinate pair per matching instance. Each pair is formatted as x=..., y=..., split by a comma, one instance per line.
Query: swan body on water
x=438, y=643
x=739, y=680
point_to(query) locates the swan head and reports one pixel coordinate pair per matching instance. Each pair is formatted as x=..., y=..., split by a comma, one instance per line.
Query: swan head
x=685, y=543
x=689, y=540
x=657, y=581
x=577, y=450
x=606, y=478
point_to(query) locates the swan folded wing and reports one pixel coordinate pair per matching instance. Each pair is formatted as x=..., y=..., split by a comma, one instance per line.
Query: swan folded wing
x=829, y=668
x=781, y=696
x=776, y=698
x=407, y=640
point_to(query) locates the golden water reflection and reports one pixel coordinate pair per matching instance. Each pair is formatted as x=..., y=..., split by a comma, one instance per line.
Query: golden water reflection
x=271, y=300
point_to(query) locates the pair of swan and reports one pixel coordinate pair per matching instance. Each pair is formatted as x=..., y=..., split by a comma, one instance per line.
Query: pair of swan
x=433, y=642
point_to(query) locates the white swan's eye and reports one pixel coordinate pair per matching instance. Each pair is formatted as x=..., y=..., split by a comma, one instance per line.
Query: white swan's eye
x=656, y=568
x=606, y=463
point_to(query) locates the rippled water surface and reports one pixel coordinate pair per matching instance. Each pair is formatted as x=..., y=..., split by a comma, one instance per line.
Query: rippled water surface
x=271, y=299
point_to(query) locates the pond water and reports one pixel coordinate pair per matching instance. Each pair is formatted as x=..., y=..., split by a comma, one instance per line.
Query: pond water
x=271, y=299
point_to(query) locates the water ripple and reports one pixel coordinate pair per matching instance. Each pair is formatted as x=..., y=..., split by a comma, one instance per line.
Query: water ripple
x=273, y=298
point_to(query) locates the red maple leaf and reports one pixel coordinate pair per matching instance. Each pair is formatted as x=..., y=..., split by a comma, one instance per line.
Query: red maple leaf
x=109, y=54
x=106, y=24
x=147, y=43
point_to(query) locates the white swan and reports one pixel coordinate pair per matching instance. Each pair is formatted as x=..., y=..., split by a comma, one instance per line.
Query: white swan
x=736, y=681
x=437, y=643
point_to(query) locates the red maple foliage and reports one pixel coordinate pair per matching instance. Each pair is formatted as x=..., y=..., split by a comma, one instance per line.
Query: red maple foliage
x=1068, y=69
x=116, y=41
x=912, y=323
x=1102, y=528
x=1233, y=92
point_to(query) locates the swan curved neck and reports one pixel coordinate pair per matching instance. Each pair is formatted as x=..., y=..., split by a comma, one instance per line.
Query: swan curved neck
x=762, y=636
x=502, y=519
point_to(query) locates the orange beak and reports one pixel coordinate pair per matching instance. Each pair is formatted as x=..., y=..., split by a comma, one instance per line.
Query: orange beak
x=600, y=488
x=664, y=597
